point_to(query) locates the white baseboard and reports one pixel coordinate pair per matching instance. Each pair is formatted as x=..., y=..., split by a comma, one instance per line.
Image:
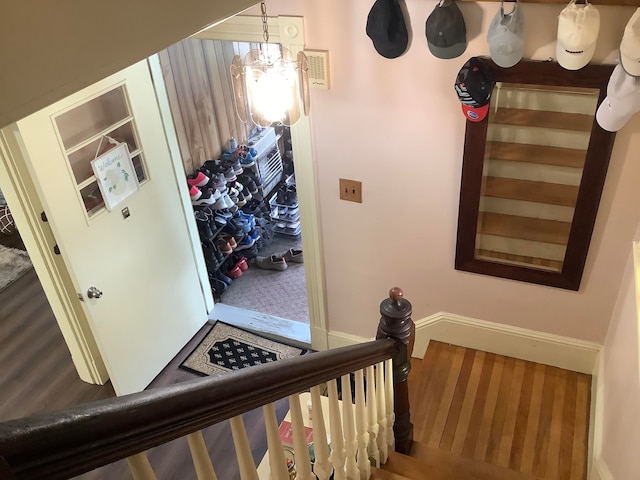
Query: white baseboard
x=555, y=350
x=600, y=471
x=340, y=339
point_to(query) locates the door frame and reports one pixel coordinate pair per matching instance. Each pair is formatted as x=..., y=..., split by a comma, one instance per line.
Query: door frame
x=289, y=32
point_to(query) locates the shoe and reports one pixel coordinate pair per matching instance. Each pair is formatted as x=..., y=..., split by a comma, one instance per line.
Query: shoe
x=194, y=193
x=271, y=263
x=218, y=287
x=234, y=272
x=204, y=227
x=207, y=197
x=224, y=246
x=293, y=255
x=246, y=242
x=225, y=278
x=197, y=179
x=230, y=174
x=242, y=264
x=228, y=239
x=219, y=181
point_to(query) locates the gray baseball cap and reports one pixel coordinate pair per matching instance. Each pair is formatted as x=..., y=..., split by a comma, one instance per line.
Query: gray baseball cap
x=446, y=31
x=506, y=36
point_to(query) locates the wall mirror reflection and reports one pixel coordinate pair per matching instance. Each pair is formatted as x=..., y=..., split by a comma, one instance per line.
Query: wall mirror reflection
x=533, y=173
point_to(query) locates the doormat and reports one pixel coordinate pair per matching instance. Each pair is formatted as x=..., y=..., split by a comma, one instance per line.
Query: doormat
x=13, y=264
x=226, y=348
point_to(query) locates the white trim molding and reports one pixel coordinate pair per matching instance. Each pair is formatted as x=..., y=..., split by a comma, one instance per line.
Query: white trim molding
x=555, y=350
x=600, y=471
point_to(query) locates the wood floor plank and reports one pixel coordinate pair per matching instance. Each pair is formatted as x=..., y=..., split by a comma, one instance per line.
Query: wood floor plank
x=446, y=398
x=488, y=413
x=531, y=431
x=508, y=432
x=500, y=412
x=451, y=424
x=471, y=438
x=578, y=455
x=438, y=384
x=540, y=154
x=568, y=426
x=469, y=400
x=522, y=418
x=553, y=455
x=544, y=422
x=423, y=382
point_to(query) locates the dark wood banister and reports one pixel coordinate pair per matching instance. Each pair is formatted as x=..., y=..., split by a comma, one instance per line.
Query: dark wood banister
x=79, y=439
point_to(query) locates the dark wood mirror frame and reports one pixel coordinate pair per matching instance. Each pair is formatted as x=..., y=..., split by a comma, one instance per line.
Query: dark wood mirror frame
x=589, y=192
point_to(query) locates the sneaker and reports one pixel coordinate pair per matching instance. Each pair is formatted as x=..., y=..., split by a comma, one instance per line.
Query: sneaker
x=204, y=227
x=224, y=246
x=226, y=238
x=225, y=278
x=197, y=179
x=230, y=174
x=194, y=193
x=247, y=242
x=234, y=272
x=242, y=264
x=220, y=181
x=293, y=255
x=207, y=197
x=271, y=263
x=218, y=287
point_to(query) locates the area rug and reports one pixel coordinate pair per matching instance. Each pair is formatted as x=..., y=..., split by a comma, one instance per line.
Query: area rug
x=13, y=264
x=227, y=348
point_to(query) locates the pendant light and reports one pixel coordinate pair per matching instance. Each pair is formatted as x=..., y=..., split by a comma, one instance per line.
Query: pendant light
x=270, y=84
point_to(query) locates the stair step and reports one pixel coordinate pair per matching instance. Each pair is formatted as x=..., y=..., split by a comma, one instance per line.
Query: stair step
x=435, y=464
x=378, y=474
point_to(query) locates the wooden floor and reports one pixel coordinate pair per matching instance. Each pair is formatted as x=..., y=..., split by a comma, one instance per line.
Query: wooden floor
x=520, y=415
x=38, y=376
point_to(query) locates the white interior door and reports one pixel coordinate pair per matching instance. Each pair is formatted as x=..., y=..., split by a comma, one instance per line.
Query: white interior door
x=138, y=254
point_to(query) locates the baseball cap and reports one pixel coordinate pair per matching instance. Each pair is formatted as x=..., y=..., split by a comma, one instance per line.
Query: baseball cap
x=578, y=28
x=622, y=100
x=474, y=85
x=630, y=46
x=506, y=36
x=387, y=29
x=446, y=31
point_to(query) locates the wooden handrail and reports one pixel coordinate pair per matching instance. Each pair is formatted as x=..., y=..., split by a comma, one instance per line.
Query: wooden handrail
x=79, y=439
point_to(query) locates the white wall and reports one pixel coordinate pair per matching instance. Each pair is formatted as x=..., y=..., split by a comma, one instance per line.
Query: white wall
x=621, y=409
x=396, y=125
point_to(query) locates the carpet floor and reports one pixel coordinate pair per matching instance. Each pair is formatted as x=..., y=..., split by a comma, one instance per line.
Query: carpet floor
x=13, y=264
x=281, y=294
x=227, y=348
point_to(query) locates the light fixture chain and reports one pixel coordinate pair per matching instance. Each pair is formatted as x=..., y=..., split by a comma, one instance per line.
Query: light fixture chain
x=265, y=27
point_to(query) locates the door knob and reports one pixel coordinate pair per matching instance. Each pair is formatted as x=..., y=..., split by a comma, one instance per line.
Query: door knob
x=94, y=292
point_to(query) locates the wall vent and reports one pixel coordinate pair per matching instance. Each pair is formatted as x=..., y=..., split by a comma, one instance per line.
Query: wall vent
x=318, y=68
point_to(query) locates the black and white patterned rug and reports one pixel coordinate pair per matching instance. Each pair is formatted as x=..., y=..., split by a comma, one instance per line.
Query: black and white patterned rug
x=226, y=348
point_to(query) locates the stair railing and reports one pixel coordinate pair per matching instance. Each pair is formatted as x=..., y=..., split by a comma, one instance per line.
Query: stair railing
x=79, y=439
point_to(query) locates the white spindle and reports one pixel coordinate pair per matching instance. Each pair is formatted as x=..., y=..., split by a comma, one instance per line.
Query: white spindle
x=383, y=448
x=364, y=466
x=349, y=427
x=277, y=460
x=243, y=449
x=322, y=466
x=337, y=455
x=140, y=467
x=200, y=456
x=391, y=417
x=372, y=416
x=300, y=447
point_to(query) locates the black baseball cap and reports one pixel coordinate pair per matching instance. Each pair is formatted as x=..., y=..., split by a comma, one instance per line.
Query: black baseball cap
x=446, y=31
x=474, y=85
x=387, y=28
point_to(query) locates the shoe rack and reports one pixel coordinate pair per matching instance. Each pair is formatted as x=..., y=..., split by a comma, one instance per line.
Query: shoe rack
x=284, y=210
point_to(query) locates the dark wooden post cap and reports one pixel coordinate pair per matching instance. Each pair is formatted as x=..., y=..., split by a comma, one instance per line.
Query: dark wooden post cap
x=395, y=306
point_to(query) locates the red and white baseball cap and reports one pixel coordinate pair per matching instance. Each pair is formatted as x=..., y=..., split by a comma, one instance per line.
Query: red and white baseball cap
x=630, y=46
x=622, y=100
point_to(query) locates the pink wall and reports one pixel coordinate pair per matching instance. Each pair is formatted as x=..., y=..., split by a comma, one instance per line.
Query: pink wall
x=396, y=126
x=621, y=414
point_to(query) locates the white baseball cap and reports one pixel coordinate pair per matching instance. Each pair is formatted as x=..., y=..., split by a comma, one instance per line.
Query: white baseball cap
x=578, y=28
x=622, y=100
x=506, y=36
x=630, y=46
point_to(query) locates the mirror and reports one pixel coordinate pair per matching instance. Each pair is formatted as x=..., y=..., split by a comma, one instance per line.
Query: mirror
x=532, y=176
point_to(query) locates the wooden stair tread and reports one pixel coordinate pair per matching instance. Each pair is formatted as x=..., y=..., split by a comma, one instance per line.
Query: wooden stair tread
x=436, y=464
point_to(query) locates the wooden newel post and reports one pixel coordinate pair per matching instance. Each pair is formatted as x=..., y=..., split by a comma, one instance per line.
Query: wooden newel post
x=396, y=323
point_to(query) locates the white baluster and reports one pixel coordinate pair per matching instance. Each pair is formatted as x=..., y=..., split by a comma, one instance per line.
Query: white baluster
x=391, y=417
x=300, y=447
x=364, y=466
x=277, y=460
x=200, y=456
x=140, y=467
x=322, y=466
x=383, y=448
x=243, y=450
x=337, y=455
x=372, y=417
x=349, y=427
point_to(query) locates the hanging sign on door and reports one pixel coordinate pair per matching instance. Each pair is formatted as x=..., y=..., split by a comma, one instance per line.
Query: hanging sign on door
x=116, y=176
